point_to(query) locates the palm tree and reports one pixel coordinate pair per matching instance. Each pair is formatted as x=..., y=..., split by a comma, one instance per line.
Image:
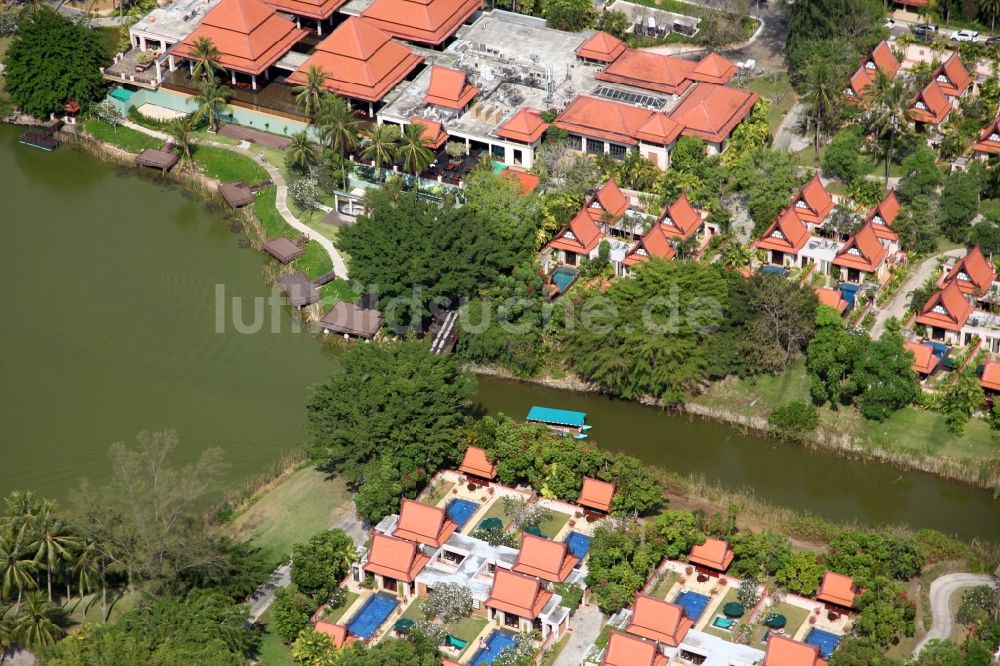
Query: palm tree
x=206, y=57
x=55, y=544
x=17, y=565
x=301, y=154
x=413, y=151
x=8, y=632
x=309, y=95
x=35, y=624
x=338, y=127
x=735, y=255
x=885, y=116
x=179, y=130
x=380, y=144
x=991, y=7
x=86, y=568
x=822, y=99
x=212, y=101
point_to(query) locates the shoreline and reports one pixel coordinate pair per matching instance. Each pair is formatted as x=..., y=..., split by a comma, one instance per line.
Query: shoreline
x=842, y=445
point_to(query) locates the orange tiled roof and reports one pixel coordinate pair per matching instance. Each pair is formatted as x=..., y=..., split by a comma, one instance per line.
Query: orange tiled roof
x=449, y=88
x=315, y=9
x=863, y=251
x=783, y=651
x=930, y=105
x=952, y=76
x=544, y=558
x=837, y=588
x=883, y=215
x=714, y=68
x=476, y=463
x=989, y=138
x=601, y=47
x=596, y=494
x=924, y=360
x=249, y=35
x=625, y=650
x=649, y=71
x=336, y=632
x=525, y=126
x=813, y=203
x=831, y=298
x=423, y=523
x=396, y=558
x=991, y=376
x=517, y=594
x=433, y=131
x=527, y=181
x=881, y=58
x=661, y=621
x=653, y=244
x=581, y=235
x=858, y=84
x=948, y=308
x=423, y=21
x=360, y=61
x=680, y=219
x=786, y=234
x=973, y=272
x=609, y=120
x=714, y=554
x=711, y=112
x=610, y=197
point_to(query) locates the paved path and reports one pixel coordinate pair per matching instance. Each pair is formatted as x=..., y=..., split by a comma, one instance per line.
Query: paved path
x=941, y=590
x=281, y=199
x=788, y=136
x=587, y=624
x=897, y=305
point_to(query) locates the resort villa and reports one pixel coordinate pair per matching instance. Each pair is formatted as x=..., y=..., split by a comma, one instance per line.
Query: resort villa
x=880, y=59
x=961, y=310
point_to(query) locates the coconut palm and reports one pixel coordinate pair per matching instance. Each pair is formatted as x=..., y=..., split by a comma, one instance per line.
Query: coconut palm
x=413, y=151
x=885, y=118
x=212, y=100
x=206, y=59
x=55, y=544
x=380, y=144
x=991, y=7
x=36, y=622
x=86, y=568
x=179, y=130
x=17, y=563
x=338, y=127
x=822, y=100
x=309, y=95
x=301, y=153
x=735, y=255
x=8, y=632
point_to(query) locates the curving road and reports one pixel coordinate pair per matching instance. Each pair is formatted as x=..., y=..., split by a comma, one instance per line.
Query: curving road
x=941, y=590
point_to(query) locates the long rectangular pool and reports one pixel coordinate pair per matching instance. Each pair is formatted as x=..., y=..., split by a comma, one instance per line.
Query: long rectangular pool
x=495, y=644
x=693, y=603
x=372, y=615
x=460, y=510
x=826, y=641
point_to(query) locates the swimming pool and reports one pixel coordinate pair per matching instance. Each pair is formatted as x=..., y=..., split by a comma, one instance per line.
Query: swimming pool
x=579, y=544
x=824, y=640
x=496, y=643
x=371, y=616
x=693, y=603
x=563, y=276
x=461, y=510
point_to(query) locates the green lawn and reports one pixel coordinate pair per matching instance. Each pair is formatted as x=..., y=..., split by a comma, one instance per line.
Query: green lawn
x=550, y=526
x=926, y=432
x=314, y=262
x=732, y=595
x=663, y=587
x=335, y=615
x=272, y=651
x=465, y=629
x=227, y=166
x=496, y=511
x=990, y=207
x=270, y=219
x=440, y=487
x=125, y=138
x=795, y=615
x=778, y=91
x=302, y=505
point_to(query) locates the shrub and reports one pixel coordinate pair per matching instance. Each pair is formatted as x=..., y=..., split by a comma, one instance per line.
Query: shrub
x=290, y=614
x=794, y=419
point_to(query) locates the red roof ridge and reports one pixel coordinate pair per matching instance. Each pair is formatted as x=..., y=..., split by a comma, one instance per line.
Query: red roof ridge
x=947, y=308
x=937, y=106
x=680, y=218
x=544, y=558
x=449, y=87
x=973, y=272
x=788, y=233
x=526, y=126
x=863, y=250
x=601, y=47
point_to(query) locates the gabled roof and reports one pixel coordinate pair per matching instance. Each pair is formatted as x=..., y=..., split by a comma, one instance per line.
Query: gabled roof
x=336, y=632
x=783, y=651
x=711, y=112
x=249, y=35
x=862, y=251
x=625, y=650
x=924, y=359
x=476, y=463
x=990, y=379
x=989, y=138
x=881, y=58
x=528, y=182
x=622, y=123
x=601, y=47
x=360, y=61
x=948, y=308
x=973, y=272
x=396, y=558
x=423, y=523
x=581, y=235
x=679, y=218
x=649, y=71
x=930, y=105
x=714, y=554
x=433, y=131
x=315, y=9
x=831, y=298
x=952, y=76
x=517, y=594
x=837, y=588
x=883, y=215
x=813, y=203
x=544, y=558
x=654, y=243
x=661, y=621
x=423, y=21
x=858, y=83
x=611, y=198
x=449, y=88
x=596, y=494
x=525, y=126
x=786, y=234
x=714, y=68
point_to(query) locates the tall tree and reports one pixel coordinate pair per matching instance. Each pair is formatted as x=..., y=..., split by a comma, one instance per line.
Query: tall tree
x=301, y=153
x=380, y=144
x=319, y=564
x=205, y=55
x=213, y=101
x=413, y=151
x=179, y=130
x=37, y=623
x=17, y=562
x=885, y=117
x=822, y=98
x=56, y=544
x=310, y=94
x=339, y=128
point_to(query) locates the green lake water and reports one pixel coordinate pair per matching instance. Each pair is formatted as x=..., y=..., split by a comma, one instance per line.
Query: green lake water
x=109, y=328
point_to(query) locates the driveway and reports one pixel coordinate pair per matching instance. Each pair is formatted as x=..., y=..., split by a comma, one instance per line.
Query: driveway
x=788, y=137
x=897, y=305
x=769, y=47
x=941, y=590
x=586, y=624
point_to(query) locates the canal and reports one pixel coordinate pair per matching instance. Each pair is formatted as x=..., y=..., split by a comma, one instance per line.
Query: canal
x=111, y=327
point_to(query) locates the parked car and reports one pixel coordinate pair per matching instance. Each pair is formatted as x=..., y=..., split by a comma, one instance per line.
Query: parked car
x=993, y=41
x=890, y=23
x=965, y=36
x=924, y=31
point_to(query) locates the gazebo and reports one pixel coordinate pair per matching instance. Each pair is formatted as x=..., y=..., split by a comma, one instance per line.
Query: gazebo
x=476, y=464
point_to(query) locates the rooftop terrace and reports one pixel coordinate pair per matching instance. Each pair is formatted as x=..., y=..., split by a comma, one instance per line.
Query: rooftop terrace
x=175, y=21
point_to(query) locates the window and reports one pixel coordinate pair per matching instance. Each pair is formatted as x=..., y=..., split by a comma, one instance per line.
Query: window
x=617, y=151
x=476, y=605
x=994, y=137
x=595, y=147
x=642, y=252
x=870, y=64
x=849, y=92
x=801, y=203
x=920, y=105
x=777, y=234
x=943, y=78
x=878, y=220
x=570, y=235
x=939, y=309
x=498, y=152
x=855, y=251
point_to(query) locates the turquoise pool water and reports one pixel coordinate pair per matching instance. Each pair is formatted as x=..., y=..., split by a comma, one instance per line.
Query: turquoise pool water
x=371, y=616
x=563, y=277
x=495, y=644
